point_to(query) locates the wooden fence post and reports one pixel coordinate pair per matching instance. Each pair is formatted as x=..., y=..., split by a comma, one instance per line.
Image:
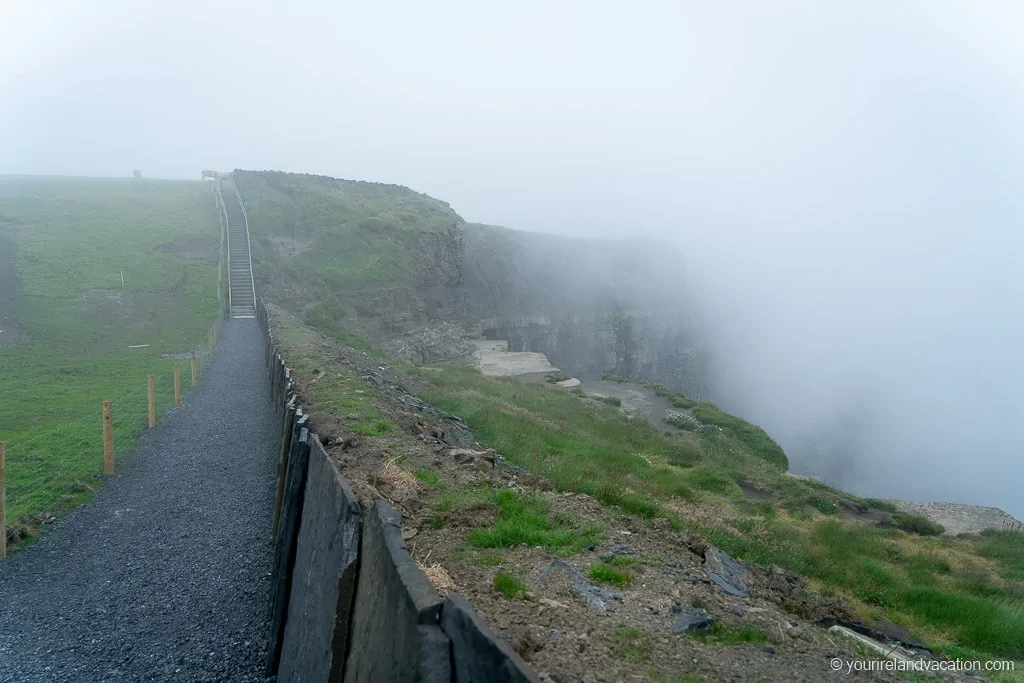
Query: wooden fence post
x=152, y=402
x=192, y=358
x=177, y=384
x=209, y=338
x=3, y=502
x=200, y=359
x=108, y=438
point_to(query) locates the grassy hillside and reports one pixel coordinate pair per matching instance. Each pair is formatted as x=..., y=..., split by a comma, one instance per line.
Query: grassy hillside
x=69, y=322
x=963, y=593
x=862, y=560
x=714, y=473
x=353, y=235
x=403, y=256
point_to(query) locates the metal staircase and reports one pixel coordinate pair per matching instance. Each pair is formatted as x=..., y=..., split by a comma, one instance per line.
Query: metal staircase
x=241, y=288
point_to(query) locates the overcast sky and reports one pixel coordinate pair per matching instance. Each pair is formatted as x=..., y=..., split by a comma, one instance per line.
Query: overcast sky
x=844, y=178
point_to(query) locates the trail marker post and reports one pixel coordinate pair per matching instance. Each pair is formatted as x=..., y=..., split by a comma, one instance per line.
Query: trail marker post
x=108, y=438
x=3, y=502
x=177, y=384
x=152, y=401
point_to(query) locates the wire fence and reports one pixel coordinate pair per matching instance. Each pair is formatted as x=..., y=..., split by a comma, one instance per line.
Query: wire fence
x=58, y=468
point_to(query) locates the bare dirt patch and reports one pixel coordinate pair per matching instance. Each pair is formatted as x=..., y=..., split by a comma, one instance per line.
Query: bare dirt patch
x=637, y=400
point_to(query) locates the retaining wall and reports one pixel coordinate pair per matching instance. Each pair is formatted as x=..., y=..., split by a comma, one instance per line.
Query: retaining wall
x=348, y=603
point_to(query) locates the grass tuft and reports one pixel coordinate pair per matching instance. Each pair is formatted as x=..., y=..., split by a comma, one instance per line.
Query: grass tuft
x=509, y=586
x=525, y=520
x=605, y=572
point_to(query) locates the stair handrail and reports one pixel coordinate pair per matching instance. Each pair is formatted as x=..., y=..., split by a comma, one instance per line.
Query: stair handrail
x=248, y=243
x=227, y=232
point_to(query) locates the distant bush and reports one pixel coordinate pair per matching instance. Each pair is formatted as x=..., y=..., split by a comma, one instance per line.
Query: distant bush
x=682, y=421
x=609, y=377
x=603, y=572
x=680, y=401
x=823, y=504
x=557, y=376
x=883, y=505
x=508, y=586
x=610, y=400
x=660, y=390
x=711, y=480
x=917, y=524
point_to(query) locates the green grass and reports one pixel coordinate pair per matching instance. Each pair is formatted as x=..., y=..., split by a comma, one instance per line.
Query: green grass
x=883, y=505
x=72, y=238
x=680, y=401
x=594, y=448
x=633, y=467
x=682, y=421
x=509, y=586
x=375, y=428
x=526, y=520
x=605, y=572
x=916, y=524
x=429, y=478
x=610, y=400
x=358, y=235
x=631, y=645
x=752, y=436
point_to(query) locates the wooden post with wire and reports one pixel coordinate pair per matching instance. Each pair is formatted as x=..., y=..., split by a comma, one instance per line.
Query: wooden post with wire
x=152, y=401
x=3, y=502
x=177, y=384
x=200, y=359
x=108, y=438
x=192, y=358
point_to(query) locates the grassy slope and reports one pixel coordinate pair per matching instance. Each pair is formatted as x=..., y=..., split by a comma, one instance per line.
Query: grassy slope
x=964, y=594
x=73, y=237
x=357, y=234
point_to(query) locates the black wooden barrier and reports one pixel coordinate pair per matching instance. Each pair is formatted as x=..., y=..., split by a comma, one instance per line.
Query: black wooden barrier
x=347, y=600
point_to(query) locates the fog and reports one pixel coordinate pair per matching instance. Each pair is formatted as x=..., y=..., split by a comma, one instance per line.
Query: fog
x=843, y=178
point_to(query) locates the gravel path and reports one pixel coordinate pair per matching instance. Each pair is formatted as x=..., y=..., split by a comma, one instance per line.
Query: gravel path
x=164, y=575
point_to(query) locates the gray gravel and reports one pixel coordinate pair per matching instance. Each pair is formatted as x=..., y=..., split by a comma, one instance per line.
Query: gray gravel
x=164, y=575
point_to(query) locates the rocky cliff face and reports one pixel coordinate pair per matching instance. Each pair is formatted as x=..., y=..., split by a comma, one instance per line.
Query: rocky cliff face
x=405, y=271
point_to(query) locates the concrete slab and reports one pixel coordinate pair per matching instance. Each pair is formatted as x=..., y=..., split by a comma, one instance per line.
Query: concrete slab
x=495, y=360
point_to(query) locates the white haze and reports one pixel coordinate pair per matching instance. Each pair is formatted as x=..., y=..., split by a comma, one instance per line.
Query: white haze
x=843, y=177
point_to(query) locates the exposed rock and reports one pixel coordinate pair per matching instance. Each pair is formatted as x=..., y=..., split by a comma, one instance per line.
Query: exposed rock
x=724, y=571
x=695, y=542
x=960, y=518
x=465, y=455
x=593, y=595
x=692, y=620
